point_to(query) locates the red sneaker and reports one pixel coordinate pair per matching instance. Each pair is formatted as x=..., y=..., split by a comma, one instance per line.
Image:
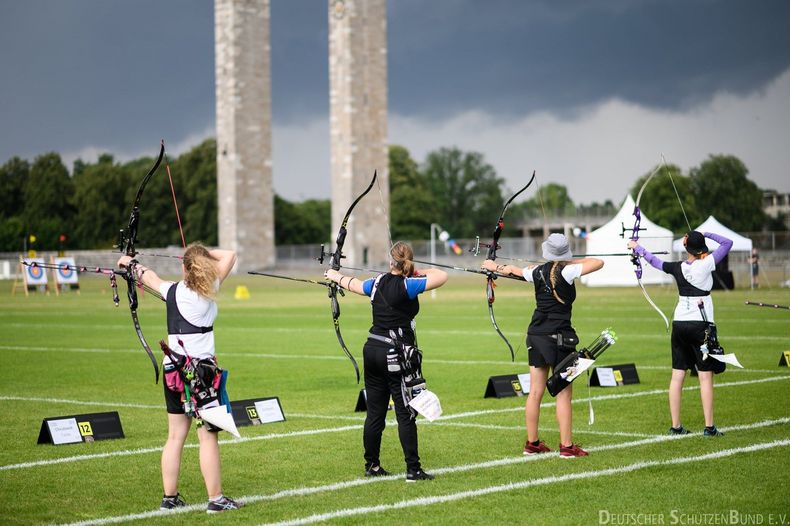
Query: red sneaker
x=572, y=451
x=531, y=449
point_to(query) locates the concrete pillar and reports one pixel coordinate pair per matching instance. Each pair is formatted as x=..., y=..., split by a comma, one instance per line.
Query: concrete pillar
x=358, y=126
x=244, y=145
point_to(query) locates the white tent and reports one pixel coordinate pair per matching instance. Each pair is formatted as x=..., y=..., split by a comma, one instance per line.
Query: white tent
x=711, y=224
x=618, y=270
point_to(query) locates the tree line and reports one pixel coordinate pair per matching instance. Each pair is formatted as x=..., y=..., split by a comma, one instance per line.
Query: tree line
x=458, y=189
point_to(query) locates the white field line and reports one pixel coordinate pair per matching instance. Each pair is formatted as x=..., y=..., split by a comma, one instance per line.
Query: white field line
x=614, y=396
x=276, y=356
x=312, y=490
x=522, y=428
x=635, y=394
x=78, y=402
x=78, y=458
x=440, y=499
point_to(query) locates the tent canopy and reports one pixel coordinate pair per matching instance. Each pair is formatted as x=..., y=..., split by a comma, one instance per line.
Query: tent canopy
x=618, y=270
x=711, y=224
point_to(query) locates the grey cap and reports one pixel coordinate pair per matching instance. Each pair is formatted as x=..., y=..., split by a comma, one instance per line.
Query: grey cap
x=556, y=248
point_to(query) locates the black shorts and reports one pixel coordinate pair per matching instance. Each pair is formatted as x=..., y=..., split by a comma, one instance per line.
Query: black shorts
x=687, y=336
x=544, y=351
x=174, y=401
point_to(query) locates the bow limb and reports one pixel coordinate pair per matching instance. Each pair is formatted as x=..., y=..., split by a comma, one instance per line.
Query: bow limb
x=490, y=284
x=334, y=263
x=652, y=304
x=491, y=276
x=635, y=258
x=127, y=240
x=335, y=305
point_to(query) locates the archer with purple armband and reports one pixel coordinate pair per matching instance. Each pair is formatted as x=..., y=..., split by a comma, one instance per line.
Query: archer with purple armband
x=694, y=279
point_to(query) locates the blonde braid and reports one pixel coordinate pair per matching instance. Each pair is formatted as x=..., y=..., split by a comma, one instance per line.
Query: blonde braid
x=553, y=273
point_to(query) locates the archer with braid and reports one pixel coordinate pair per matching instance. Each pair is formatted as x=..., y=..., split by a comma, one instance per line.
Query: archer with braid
x=191, y=311
x=388, y=370
x=694, y=278
x=550, y=336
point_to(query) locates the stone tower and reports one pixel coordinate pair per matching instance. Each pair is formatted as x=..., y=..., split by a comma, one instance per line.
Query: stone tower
x=244, y=145
x=358, y=125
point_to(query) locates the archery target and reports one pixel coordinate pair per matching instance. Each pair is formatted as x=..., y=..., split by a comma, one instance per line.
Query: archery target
x=66, y=274
x=35, y=275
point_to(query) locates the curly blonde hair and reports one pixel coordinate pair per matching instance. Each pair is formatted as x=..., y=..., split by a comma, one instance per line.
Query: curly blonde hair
x=402, y=256
x=201, y=270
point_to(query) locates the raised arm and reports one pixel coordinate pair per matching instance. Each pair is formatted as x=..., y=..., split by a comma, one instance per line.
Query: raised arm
x=506, y=270
x=654, y=261
x=725, y=244
x=225, y=261
x=351, y=283
x=142, y=273
x=589, y=264
x=435, y=278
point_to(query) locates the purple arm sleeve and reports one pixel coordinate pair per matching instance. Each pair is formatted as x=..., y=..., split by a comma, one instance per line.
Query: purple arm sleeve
x=650, y=258
x=725, y=245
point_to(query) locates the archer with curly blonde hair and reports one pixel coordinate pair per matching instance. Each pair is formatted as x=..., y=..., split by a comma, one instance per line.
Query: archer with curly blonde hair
x=191, y=311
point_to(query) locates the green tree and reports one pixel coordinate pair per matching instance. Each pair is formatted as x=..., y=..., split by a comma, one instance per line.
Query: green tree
x=13, y=175
x=100, y=201
x=551, y=199
x=660, y=203
x=301, y=223
x=722, y=189
x=47, y=200
x=409, y=197
x=465, y=190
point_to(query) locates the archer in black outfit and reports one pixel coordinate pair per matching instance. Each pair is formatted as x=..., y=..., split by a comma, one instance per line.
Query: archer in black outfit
x=395, y=305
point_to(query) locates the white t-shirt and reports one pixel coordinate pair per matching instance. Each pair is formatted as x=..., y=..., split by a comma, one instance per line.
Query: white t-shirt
x=198, y=311
x=700, y=274
x=569, y=272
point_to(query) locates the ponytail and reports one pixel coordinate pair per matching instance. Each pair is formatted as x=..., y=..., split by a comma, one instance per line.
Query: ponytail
x=402, y=256
x=201, y=270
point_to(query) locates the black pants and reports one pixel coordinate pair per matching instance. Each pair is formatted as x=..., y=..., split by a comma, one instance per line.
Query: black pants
x=379, y=386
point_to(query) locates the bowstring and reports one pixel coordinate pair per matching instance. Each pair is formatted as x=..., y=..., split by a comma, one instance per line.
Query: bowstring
x=175, y=201
x=386, y=214
x=671, y=180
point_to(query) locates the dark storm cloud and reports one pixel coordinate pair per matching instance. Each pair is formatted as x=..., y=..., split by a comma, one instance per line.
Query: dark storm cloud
x=512, y=58
x=113, y=73
x=119, y=75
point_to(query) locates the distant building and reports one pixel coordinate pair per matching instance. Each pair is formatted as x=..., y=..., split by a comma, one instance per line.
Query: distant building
x=776, y=204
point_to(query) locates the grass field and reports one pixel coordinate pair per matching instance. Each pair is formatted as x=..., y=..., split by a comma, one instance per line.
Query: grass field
x=78, y=354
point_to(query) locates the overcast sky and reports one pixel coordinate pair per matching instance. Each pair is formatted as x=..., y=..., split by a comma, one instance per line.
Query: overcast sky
x=588, y=93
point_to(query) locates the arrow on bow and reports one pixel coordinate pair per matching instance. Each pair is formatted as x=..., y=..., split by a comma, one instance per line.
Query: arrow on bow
x=492, y=276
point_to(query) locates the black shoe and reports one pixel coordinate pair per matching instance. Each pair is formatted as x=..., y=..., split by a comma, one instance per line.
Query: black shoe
x=679, y=431
x=711, y=431
x=376, y=471
x=223, y=504
x=419, y=474
x=168, y=503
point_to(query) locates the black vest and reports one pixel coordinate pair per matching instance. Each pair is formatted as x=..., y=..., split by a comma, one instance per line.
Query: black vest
x=176, y=324
x=551, y=315
x=684, y=287
x=392, y=307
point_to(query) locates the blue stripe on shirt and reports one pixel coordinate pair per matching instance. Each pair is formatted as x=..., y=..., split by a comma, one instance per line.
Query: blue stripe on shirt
x=414, y=286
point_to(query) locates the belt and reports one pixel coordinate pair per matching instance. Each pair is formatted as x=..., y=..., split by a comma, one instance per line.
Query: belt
x=384, y=339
